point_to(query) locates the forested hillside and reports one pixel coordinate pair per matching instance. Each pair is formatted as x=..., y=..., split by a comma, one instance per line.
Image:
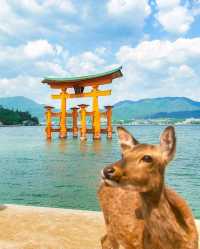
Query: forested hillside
x=11, y=117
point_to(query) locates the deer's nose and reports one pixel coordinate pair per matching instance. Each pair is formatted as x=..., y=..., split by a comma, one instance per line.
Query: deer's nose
x=108, y=172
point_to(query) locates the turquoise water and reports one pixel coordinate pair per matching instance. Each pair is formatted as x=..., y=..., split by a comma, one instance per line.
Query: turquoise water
x=65, y=173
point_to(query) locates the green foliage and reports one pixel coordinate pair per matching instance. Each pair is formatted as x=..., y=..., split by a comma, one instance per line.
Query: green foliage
x=10, y=117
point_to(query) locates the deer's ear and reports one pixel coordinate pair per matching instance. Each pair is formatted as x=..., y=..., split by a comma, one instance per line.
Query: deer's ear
x=168, y=143
x=127, y=141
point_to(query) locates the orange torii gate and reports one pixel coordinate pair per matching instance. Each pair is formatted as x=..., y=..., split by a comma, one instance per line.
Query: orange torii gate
x=79, y=84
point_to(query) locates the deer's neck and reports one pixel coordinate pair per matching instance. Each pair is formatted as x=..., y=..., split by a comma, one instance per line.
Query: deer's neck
x=153, y=200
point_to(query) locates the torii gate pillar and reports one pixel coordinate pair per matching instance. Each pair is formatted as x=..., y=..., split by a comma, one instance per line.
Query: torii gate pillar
x=63, y=115
x=96, y=115
x=74, y=121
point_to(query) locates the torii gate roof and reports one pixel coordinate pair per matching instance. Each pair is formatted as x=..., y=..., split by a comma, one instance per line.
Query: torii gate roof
x=87, y=80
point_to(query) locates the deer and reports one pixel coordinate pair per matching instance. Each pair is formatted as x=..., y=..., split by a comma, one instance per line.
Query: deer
x=139, y=210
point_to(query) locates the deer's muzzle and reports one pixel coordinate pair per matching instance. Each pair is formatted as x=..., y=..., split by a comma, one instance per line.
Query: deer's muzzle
x=111, y=173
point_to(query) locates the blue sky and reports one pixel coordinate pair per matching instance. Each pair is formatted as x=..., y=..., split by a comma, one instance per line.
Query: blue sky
x=157, y=42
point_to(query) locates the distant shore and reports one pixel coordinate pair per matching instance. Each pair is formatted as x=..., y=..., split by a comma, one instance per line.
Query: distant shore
x=28, y=227
x=20, y=125
x=114, y=125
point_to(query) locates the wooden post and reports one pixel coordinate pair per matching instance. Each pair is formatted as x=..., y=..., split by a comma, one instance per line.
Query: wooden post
x=83, y=122
x=48, y=114
x=96, y=115
x=63, y=115
x=74, y=121
x=109, y=120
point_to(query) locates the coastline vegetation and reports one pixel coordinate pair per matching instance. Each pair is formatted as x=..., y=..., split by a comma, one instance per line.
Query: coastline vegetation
x=15, y=117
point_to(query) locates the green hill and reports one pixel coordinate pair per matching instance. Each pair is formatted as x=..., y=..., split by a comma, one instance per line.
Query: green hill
x=148, y=108
x=10, y=117
x=21, y=103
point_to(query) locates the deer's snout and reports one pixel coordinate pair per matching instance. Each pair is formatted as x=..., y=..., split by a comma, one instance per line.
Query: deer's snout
x=108, y=172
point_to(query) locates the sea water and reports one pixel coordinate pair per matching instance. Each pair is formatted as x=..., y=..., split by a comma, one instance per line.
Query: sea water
x=66, y=173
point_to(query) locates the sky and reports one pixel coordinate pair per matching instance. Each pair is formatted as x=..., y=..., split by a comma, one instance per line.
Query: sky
x=157, y=42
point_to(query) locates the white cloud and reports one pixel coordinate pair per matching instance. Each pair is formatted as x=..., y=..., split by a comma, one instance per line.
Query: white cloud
x=196, y=9
x=38, y=59
x=135, y=11
x=35, y=58
x=48, y=60
x=45, y=67
x=64, y=5
x=24, y=85
x=31, y=5
x=10, y=22
x=151, y=69
x=156, y=53
x=174, y=17
x=31, y=50
x=167, y=4
x=28, y=18
x=35, y=49
x=87, y=62
x=159, y=68
x=40, y=7
x=182, y=71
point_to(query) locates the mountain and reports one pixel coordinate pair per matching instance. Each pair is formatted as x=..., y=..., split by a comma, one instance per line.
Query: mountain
x=158, y=107
x=178, y=115
x=166, y=107
x=21, y=103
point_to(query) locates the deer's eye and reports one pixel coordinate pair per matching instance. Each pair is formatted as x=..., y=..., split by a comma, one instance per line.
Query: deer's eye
x=147, y=159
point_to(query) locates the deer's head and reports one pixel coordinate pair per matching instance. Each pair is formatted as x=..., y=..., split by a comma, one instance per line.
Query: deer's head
x=142, y=166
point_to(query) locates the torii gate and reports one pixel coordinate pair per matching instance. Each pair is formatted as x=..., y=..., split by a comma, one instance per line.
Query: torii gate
x=78, y=84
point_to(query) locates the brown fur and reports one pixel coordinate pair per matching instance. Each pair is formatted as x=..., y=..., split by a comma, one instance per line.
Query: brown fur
x=140, y=211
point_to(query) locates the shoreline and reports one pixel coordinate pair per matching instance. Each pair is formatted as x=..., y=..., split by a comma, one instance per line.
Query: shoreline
x=30, y=227
x=114, y=125
x=20, y=125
